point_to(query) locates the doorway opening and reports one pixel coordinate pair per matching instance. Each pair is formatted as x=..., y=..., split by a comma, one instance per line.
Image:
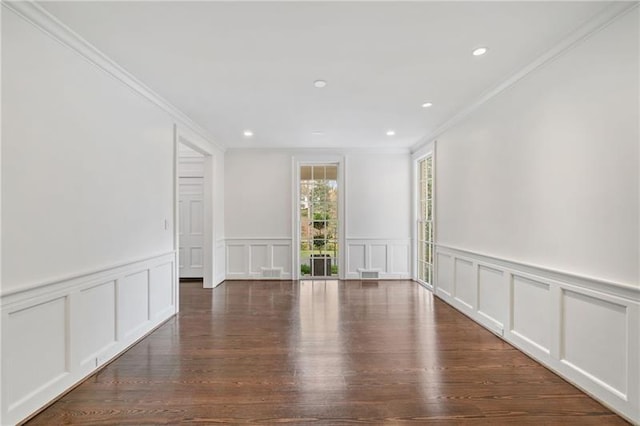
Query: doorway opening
x=191, y=217
x=318, y=218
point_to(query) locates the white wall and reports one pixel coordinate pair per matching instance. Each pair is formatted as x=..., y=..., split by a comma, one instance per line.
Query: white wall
x=87, y=184
x=378, y=191
x=258, y=211
x=87, y=164
x=537, y=218
x=257, y=194
x=547, y=172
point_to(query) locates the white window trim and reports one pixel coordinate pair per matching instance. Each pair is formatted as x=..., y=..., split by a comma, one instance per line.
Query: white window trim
x=427, y=150
x=313, y=160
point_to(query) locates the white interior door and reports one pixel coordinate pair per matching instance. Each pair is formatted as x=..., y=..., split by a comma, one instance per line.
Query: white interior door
x=191, y=214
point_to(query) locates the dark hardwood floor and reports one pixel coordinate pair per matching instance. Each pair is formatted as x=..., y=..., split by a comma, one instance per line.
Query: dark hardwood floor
x=326, y=353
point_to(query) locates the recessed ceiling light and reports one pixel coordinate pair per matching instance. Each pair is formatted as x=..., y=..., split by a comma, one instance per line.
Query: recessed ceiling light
x=480, y=51
x=317, y=133
x=391, y=132
x=248, y=133
x=427, y=105
x=319, y=83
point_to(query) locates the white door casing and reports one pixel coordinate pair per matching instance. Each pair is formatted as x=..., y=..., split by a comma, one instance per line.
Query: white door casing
x=314, y=159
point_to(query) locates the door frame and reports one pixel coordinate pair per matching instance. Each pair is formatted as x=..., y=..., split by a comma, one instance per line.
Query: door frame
x=317, y=160
x=190, y=179
x=198, y=144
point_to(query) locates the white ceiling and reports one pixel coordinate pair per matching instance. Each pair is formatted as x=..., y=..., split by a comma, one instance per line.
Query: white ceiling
x=232, y=66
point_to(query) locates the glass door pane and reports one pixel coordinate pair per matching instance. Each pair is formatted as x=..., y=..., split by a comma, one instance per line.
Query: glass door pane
x=319, y=221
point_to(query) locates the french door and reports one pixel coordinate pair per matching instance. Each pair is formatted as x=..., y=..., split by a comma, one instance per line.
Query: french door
x=318, y=214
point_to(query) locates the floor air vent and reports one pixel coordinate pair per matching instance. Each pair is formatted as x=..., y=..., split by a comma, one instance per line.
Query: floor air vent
x=367, y=274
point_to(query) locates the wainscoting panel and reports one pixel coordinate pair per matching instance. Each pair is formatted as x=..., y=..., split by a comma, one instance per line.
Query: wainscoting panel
x=603, y=325
x=400, y=260
x=161, y=295
x=260, y=258
x=531, y=309
x=96, y=322
x=133, y=308
x=281, y=255
x=56, y=334
x=444, y=274
x=34, y=354
x=493, y=295
x=356, y=259
x=586, y=330
x=258, y=255
x=390, y=258
x=465, y=284
x=378, y=257
x=237, y=260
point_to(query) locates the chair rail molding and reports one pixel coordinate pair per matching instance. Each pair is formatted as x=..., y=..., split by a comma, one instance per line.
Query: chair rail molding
x=611, y=287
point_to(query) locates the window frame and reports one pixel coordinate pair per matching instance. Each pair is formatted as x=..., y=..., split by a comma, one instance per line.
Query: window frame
x=424, y=243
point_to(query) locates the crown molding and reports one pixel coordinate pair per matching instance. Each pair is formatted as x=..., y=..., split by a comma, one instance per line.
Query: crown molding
x=594, y=25
x=46, y=22
x=324, y=151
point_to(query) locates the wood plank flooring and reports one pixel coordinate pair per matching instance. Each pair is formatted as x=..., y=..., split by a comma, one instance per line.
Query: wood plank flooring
x=319, y=352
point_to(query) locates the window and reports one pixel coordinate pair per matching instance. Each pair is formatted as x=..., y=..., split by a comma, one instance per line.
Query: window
x=425, y=220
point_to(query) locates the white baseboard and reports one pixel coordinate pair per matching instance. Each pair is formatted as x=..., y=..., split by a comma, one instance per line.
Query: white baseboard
x=586, y=331
x=54, y=336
